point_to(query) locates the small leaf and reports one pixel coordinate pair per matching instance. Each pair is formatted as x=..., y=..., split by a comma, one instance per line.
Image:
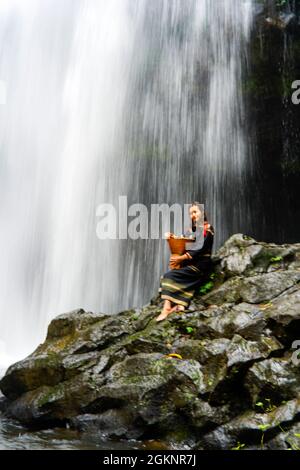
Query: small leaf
x=275, y=259
x=264, y=427
x=175, y=355
x=206, y=287
x=239, y=446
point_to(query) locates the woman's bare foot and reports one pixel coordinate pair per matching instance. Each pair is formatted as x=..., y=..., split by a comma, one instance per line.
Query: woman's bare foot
x=163, y=315
x=165, y=311
x=178, y=308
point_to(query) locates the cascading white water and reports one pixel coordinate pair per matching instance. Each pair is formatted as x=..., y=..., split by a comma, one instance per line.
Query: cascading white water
x=126, y=97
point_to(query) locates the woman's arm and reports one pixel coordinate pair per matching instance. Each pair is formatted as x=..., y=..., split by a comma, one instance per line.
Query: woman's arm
x=179, y=258
x=207, y=245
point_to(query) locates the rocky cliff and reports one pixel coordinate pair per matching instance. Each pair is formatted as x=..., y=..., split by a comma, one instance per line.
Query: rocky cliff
x=273, y=119
x=225, y=374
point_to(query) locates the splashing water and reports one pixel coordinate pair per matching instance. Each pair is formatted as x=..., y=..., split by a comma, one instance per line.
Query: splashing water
x=126, y=97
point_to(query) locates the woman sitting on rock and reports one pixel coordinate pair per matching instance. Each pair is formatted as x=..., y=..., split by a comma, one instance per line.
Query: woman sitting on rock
x=178, y=285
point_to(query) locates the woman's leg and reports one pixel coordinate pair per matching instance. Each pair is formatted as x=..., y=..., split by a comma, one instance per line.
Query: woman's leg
x=167, y=305
x=177, y=289
x=165, y=311
x=177, y=285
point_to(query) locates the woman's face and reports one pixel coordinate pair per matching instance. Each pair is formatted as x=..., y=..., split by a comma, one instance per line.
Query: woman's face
x=195, y=213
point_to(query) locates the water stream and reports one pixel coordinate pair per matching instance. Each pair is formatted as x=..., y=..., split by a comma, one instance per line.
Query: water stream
x=126, y=97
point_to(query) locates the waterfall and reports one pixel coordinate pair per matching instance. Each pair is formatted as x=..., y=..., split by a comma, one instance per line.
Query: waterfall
x=126, y=97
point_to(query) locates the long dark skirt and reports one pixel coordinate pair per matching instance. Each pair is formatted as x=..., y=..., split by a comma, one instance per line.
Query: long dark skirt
x=179, y=285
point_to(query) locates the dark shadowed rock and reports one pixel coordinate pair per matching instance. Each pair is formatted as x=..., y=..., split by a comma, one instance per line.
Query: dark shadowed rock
x=211, y=354
x=4, y=402
x=254, y=289
x=278, y=378
x=250, y=427
x=245, y=256
x=285, y=309
x=288, y=439
x=241, y=350
x=244, y=319
x=113, y=423
x=283, y=21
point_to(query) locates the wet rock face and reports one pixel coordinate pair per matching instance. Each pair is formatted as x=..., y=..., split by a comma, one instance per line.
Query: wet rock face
x=233, y=378
x=273, y=67
x=251, y=425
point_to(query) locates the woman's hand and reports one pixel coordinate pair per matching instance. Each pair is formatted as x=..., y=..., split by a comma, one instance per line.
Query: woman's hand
x=176, y=260
x=169, y=235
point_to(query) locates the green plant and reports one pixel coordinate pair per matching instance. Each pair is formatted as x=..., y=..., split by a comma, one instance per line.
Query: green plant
x=238, y=446
x=189, y=329
x=276, y=259
x=263, y=428
x=266, y=407
x=206, y=287
x=235, y=370
x=260, y=404
x=292, y=444
x=270, y=406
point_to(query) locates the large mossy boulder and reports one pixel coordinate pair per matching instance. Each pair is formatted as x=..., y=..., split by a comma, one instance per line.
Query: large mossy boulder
x=224, y=372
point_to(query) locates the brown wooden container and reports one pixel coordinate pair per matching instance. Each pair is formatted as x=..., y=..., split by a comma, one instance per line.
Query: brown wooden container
x=177, y=245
